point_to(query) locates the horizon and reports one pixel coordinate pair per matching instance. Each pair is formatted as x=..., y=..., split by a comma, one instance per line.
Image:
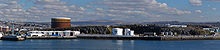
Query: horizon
x=132, y=22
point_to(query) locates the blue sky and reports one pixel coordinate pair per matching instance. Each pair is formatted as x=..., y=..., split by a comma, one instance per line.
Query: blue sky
x=119, y=10
x=208, y=14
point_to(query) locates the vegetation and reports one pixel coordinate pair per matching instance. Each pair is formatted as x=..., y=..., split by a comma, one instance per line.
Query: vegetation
x=139, y=29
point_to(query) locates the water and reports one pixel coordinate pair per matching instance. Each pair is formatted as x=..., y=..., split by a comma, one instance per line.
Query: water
x=85, y=44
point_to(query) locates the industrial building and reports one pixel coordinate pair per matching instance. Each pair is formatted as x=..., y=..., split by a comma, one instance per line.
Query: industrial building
x=169, y=25
x=119, y=31
x=129, y=32
x=212, y=29
x=60, y=22
x=52, y=33
x=5, y=28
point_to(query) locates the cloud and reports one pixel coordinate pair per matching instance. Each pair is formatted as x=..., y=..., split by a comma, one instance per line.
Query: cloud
x=212, y=0
x=198, y=11
x=196, y=2
x=11, y=10
x=214, y=9
x=52, y=2
x=201, y=16
x=142, y=5
x=123, y=10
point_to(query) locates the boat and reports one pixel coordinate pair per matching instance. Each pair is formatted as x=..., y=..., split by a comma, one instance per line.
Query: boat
x=13, y=38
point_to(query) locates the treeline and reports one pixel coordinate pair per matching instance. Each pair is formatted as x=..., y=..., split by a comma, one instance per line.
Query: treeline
x=138, y=29
x=84, y=29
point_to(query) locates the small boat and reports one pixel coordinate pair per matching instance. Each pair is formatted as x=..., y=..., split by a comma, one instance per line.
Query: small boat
x=13, y=38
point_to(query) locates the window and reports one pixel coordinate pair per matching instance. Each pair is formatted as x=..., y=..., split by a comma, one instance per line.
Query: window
x=52, y=33
x=71, y=33
x=56, y=33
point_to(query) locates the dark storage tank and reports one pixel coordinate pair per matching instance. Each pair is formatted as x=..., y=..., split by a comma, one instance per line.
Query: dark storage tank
x=60, y=22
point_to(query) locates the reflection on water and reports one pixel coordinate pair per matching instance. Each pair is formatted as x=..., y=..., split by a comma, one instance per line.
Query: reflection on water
x=75, y=40
x=81, y=44
x=119, y=42
x=132, y=42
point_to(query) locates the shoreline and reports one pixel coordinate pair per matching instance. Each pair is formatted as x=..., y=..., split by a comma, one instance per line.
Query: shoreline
x=150, y=37
x=112, y=37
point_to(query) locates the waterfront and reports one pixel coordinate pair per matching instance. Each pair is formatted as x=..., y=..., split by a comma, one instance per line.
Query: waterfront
x=86, y=44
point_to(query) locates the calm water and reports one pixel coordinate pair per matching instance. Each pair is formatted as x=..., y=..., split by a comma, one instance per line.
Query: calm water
x=82, y=44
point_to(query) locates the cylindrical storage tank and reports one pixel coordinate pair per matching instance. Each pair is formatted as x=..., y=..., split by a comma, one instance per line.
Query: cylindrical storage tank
x=59, y=22
x=132, y=33
x=117, y=31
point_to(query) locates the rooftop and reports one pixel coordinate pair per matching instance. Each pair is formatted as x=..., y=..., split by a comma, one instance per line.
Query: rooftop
x=60, y=18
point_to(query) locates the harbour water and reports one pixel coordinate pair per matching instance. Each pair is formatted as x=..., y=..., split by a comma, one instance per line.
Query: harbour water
x=86, y=44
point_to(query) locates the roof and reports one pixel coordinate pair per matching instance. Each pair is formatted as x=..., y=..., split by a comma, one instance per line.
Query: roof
x=60, y=18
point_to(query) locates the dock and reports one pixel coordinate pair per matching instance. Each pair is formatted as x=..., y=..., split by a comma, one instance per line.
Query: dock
x=115, y=37
x=112, y=37
x=51, y=37
x=15, y=38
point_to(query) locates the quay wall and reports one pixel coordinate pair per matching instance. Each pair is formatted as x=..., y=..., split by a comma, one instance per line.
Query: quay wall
x=121, y=38
x=107, y=37
x=150, y=38
x=190, y=38
x=51, y=37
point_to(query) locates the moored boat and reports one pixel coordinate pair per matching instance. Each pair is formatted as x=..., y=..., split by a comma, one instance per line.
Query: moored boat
x=13, y=38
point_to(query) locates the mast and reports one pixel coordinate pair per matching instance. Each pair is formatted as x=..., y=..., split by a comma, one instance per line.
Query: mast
x=12, y=28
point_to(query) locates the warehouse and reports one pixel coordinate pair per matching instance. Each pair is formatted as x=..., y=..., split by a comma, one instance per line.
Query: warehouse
x=53, y=33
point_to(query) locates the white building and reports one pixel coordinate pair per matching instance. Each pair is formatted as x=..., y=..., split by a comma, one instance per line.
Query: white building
x=117, y=31
x=53, y=33
x=36, y=34
x=210, y=29
x=132, y=33
x=129, y=32
x=178, y=26
x=168, y=25
x=1, y=34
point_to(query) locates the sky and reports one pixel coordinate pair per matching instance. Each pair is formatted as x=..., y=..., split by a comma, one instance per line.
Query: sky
x=113, y=10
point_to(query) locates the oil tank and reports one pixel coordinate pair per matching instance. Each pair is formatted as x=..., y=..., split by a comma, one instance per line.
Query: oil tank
x=60, y=22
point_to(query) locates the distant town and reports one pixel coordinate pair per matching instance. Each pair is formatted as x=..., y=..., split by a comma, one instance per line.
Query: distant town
x=62, y=28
